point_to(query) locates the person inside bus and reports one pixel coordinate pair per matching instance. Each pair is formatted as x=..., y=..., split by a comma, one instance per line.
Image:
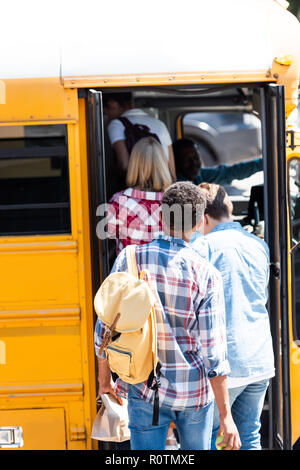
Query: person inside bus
x=120, y=107
x=133, y=214
x=243, y=261
x=189, y=166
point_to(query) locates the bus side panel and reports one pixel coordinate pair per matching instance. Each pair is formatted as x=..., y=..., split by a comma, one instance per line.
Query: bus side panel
x=78, y=146
x=46, y=318
x=30, y=276
x=38, y=99
x=295, y=381
x=40, y=331
x=45, y=429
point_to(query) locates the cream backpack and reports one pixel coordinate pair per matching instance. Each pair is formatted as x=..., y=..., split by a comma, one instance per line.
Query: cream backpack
x=125, y=304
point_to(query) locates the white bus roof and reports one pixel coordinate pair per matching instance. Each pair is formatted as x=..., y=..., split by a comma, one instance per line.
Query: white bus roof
x=120, y=37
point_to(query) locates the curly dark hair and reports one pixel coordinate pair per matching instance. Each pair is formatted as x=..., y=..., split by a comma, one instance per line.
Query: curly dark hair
x=179, y=148
x=218, y=204
x=183, y=206
x=123, y=99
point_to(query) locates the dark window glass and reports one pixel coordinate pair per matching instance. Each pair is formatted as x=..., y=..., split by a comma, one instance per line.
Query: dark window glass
x=34, y=180
x=294, y=188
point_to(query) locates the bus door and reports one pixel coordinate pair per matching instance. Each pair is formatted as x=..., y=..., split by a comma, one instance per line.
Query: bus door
x=98, y=185
x=273, y=140
x=97, y=177
x=274, y=152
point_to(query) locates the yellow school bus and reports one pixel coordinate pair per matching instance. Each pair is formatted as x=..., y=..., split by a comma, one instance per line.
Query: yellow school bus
x=56, y=64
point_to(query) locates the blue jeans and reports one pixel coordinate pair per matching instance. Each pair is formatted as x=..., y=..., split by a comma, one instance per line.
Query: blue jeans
x=194, y=427
x=246, y=407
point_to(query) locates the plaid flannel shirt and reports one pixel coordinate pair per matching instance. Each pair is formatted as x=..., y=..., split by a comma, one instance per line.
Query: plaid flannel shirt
x=190, y=318
x=133, y=217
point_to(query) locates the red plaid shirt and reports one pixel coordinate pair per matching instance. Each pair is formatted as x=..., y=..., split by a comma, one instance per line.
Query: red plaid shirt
x=133, y=217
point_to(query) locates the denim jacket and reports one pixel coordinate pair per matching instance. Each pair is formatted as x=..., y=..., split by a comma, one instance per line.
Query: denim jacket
x=243, y=261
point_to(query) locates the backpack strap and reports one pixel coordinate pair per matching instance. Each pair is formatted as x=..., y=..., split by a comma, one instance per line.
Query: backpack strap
x=133, y=269
x=131, y=260
x=152, y=381
x=126, y=123
x=129, y=126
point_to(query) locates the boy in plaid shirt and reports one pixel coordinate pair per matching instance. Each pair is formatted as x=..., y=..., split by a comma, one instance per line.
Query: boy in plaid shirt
x=190, y=332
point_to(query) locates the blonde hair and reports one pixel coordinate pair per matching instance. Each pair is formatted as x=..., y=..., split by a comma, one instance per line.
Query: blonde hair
x=148, y=168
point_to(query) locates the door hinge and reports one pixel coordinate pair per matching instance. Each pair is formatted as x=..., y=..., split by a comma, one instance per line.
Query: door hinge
x=77, y=433
x=275, y=269
x=290, y=139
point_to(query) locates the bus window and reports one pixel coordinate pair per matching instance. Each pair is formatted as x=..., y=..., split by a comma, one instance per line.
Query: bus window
x=294, y=190
x=34, y=180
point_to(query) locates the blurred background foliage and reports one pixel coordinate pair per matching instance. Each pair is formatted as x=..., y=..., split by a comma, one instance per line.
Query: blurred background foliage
x=294, y=7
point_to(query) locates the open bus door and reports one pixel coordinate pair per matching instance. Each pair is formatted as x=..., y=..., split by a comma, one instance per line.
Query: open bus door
x=97, y=184
x=274, y=152
x=98, y=197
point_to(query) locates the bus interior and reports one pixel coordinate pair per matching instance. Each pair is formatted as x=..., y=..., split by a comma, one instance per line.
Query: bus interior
x=250, y=109
x=229, y=117
x=224, y=125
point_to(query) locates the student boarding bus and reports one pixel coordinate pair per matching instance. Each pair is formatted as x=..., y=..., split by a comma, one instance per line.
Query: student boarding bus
x=57, y=62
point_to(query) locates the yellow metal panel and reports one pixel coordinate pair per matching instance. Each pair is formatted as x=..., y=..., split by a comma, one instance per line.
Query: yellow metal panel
x=76, y=425
x=49, y=240
x=78, y=149
x=74, y=168
x=67, y=398
x=2, y=352
x=2, y=92
x=46, y=308
x=166, y=79
x=39, y=317
x=46, y=243
x=39, y=99
x=43, y=429
x=294, y=348
x=179, y=127
x=41, y=390
x=40, y=355
x=34, y=276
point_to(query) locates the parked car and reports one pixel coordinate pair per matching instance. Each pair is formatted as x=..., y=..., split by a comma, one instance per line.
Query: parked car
x=224, y=137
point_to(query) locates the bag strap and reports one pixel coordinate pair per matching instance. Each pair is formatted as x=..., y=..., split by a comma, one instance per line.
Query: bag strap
x=131, y=260
x=152, y=381
x=133, y=269
x=107, y=337
x=152, y=320
x=130, y=126
x=126, y=123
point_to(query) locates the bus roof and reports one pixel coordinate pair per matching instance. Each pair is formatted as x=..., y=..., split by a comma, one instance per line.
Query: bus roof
x=115, y=42
x=131, y=37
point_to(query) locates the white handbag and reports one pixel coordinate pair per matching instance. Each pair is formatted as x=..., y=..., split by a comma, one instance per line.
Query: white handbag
x=111, y=422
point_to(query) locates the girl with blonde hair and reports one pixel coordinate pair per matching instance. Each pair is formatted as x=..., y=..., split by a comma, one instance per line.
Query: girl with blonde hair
x=133, y=214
